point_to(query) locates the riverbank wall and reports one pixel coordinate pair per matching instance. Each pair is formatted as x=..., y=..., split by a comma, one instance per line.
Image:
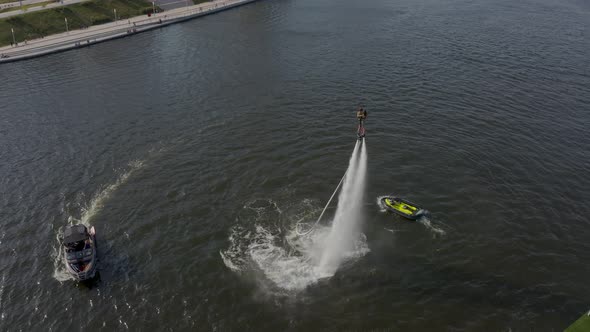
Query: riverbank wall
x=119, y=29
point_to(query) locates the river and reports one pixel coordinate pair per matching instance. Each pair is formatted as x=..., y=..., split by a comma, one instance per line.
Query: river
x=196, y=149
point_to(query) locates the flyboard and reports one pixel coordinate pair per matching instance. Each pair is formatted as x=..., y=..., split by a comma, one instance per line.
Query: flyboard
x=361, y=132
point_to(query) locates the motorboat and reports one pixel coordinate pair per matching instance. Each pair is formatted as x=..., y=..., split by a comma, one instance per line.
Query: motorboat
x=80, y=251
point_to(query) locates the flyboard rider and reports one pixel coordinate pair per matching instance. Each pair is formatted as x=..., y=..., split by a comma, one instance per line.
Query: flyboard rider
x=361, y=114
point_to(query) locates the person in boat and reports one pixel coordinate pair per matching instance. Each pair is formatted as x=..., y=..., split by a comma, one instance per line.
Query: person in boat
x=361, y=114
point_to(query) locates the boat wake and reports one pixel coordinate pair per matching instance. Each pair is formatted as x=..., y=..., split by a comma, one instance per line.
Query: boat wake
x=59, y=269
x=97, y=202
x=435, y=230
x=88, y=213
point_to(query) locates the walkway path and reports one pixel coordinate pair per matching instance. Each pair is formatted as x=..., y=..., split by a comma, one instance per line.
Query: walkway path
x=37, y=8
x=99, y=33
x=171, y=4
x=19, y=3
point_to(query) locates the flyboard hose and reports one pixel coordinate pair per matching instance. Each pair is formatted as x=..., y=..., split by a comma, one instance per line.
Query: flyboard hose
x=324, y=210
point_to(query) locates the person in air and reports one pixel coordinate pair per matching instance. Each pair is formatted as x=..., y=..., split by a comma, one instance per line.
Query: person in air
x=361, y=114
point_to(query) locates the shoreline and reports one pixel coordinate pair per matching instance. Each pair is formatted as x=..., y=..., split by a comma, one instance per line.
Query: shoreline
x=123, y=28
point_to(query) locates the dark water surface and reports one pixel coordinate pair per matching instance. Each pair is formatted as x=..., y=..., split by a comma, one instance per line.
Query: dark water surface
x=215, y=136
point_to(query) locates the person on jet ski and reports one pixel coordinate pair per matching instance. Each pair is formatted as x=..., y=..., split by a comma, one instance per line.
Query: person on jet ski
x=361, y=114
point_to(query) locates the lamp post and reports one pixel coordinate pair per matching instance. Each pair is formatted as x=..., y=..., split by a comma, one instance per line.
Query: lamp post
x=13, y=39
x=67, y=29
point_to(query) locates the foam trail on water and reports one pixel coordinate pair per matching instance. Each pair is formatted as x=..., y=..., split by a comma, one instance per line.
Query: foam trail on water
x=345, y=228
x=97, y=203
x=59, y=270
x=424, y=220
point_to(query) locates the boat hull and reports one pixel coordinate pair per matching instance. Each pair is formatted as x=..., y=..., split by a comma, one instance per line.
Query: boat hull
x=81, y=263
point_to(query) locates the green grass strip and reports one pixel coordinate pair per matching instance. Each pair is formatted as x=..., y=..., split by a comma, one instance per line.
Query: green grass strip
x=25, y=7
x=51, y=21
x=581, y=325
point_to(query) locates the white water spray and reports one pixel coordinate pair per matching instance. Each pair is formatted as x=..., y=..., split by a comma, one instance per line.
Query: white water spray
x=289, y=258
x=345, y=228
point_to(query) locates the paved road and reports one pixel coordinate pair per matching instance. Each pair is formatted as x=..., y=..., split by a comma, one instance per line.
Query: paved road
x=18, y=3
x=171, y=4
x=34, y=9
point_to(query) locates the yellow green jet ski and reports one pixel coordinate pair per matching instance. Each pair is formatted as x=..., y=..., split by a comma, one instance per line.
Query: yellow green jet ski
x=402, y=207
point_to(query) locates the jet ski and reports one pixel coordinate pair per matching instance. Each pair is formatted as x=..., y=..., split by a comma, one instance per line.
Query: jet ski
x=80, y=251
x=402, y=207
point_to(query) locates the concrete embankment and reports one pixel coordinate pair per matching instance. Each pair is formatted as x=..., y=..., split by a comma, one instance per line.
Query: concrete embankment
x=123, y=28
